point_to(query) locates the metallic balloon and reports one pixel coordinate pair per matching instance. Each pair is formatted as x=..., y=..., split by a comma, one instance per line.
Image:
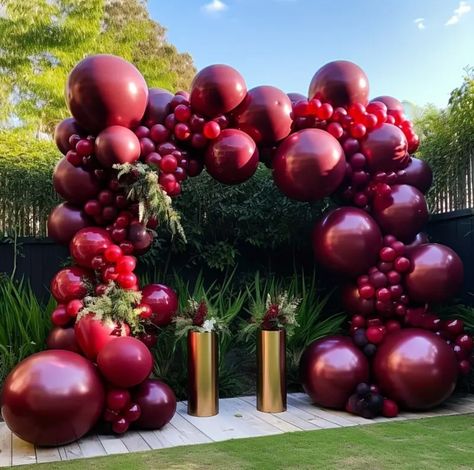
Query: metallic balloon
x=309, y=165
x=63, y=338
x=88, y=243
x=63, y=131
x=354, y=304
x=294, y=97
x=117, y=144
x=52, y=398
x=70, y=283
x=393, y=105
x=340, y=83
x=416, y=368
x=420, y=239
x=163, y=302
x=158, y=106
x=140, y=237
x=330, y=370
x=64, y=221
x=437, y=273
x=418, y=173
x=347, y=241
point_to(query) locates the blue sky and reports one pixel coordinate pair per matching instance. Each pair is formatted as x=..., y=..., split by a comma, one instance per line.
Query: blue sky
x=412, y=49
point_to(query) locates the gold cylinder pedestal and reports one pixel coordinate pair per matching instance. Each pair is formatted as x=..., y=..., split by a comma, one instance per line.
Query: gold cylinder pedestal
x=203, y=395
x=271, y=371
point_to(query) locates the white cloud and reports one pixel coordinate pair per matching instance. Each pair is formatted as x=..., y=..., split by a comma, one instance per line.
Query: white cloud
x=462, y=9
x=420, y=23
x=213, y=7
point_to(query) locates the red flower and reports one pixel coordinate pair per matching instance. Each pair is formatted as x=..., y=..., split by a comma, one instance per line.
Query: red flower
x=201, y=314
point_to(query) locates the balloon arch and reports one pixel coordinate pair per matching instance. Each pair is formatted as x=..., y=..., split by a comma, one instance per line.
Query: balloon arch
x=127, y=149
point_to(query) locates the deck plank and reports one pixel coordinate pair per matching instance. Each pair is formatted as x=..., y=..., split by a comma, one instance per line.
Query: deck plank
x=5, y=446
x=112, y=444
x=134, y=442
x=91, y=446
x=47, y=454
x=70, y=451
x=23, y=453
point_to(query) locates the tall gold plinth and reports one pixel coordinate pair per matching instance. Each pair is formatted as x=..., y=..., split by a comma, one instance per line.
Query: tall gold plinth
x=271, y=371
x=203, y=395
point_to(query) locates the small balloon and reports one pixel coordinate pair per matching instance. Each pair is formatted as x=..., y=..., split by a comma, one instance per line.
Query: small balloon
x=88, y=243
x=117, y=145
x=63, y=131
x=64, y=221
x=63, y=338
x=158, y=106
x=163, y=302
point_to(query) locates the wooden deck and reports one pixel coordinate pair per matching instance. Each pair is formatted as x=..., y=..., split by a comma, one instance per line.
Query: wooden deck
x=238, y=418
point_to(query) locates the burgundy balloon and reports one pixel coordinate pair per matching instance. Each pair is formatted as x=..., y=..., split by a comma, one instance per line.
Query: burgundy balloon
x=157, y=402
x=354, y=304
x=437, y=274
x=418, y=173
x=232, y=157
x=421, y=238
x=70, y=283
x=330, y=370
x=140, y=237
x=158, y=106
x=74, y=184
x=392, y=103
x=217, y=89
x=163, y=302
x=295, y=97
x=88, y=243
x=63, y=338
x=416, y=368
x=52, y=398
x=340, y=83
x=264, y=115
x=347, y=241
x=105, y=90
x=403, y=214
x=63, y=131
x=117, y=144
x=64, y=221
x=309, y=165
x=385, y=149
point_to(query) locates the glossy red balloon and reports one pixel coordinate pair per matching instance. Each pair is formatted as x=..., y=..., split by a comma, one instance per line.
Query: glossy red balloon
x=330, y=370
x=163, y=302
x=347, y=241
x=264, y=115
x=354, y=304
x=88, y=243
x=64, y=221
x=415, y=368
x=140, y=238
x=418, y=173
x=403, y=214
x=385, y=149
x=295, y=97
x=340, y=83
x=393, y=105
x=437, y=273
x=52, y=398
x=117, y=144
x=125, y=362
x=157, y=402
x=217, y=89
x=63, y=131
x=232, y=158
x=309, y=165
x=63, y=338
x=105, y=90
x=69, y=284
x=73, y=183
x=158, y=106
x=420, y=239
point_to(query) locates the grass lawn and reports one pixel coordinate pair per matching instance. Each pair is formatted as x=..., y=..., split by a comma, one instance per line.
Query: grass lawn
x=431, y=443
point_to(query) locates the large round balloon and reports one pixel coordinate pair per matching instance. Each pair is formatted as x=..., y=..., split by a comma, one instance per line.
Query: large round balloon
x=232, y=158
x=416, y=368
x=64, y=221
x=89, y=243
x=52, y=398
x=403, y=213
x=354, y=304
x=264, y=114
x=217, y=89
x=63, y=338
x=63, y=131
x=70, y=283
x=163, y=302
x=330, y=370
x=347, y=241
x=385, y=149
x=157, y=403
x=106, y=90
x=117, y=144
x=73, y=183
x=309, y=165
x=340, y=83
x=437, y=273
x=418, y=173
x=158, y=106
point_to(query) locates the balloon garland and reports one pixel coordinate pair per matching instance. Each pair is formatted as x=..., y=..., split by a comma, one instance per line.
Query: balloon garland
x=127, y=150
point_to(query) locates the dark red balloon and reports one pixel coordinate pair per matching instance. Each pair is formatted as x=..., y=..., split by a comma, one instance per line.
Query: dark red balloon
x=437, y=273
x=347, y=241
x=340, y=83
x=420, y=239
x=354, y=304
x=140, y=238
x=64, y=221
x=70, y=283
x=217, y=89
x=393, y=105
x=63, y=131
x=163, y=302
x=157, y=402
x=117, y=144
x=158, y=106
x=295, y=97
x=309, y=165
x=106, y=90
x=418, y=173
x=416, y=368
x=330, y=370
x=403, y=214
x=89, y=243
x=264, y=115
x=63, y=338
x=52, y=398
x=232, y=158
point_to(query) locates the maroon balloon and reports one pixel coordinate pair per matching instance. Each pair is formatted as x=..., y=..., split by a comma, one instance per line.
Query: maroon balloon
x=385, y=149
x=88, y=243
x=140, y=237
x=52, y=398
x=158, y=106
x=157, y=402
x=264, y=115
x=106, y=90
x=420, y=239
x=73, y=183
x=63, y=131
x=393, y=105
x=340, y=83
x=418, y=173
x=294, y=97
x=330, y=370
x=232, y=158
x=117, y=144
x=217, y=89
x=163, y=302
x=309, y=165
x=403, y=214
x=437, y=273
x=347, y=241
x=354, y=304
x=64, y=221
x=416, y=368
x=63, y=338
x=70, y=283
